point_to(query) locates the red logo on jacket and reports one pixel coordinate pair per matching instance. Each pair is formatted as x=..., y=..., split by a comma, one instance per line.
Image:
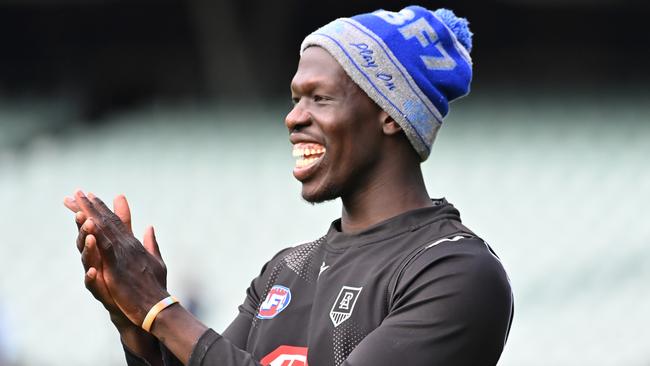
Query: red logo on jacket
x=276, y=300
x=286, y=356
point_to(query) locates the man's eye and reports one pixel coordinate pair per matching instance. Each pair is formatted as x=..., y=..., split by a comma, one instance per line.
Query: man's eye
x=319, y=98
x=295, y=100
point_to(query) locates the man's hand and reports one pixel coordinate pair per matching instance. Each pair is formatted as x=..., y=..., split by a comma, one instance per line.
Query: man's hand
x=92, y=261
x=117, y=265
x=133, y=337
x=129, y=278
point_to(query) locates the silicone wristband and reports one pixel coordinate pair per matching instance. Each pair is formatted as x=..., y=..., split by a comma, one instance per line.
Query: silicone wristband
x=155, y=310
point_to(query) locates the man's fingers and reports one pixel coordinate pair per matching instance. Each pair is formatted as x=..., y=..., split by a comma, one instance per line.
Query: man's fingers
x=85, y=205
x=90, y=280
x=99, y=205
x=100, y=240
x=92, y=284
x=110, y=223
x=94, y=281
x=84, y=255
x=90, y=256
x=91, y=274
x=88, y=227
x=105, y=246
x=150, y=243
x=122, y=210
x=71, y=204
x=120, y=205
x=79, y=219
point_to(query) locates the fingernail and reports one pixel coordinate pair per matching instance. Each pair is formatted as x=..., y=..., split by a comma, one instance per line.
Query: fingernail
x=91, y=195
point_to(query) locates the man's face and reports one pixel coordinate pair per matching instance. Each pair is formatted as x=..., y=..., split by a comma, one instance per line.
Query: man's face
x=334, y=126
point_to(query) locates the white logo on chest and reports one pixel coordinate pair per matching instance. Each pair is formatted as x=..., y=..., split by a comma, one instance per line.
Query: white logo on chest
x=323, y=267
x=344, y=304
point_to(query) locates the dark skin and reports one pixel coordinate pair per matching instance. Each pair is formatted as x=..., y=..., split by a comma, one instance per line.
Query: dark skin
x=368, y=163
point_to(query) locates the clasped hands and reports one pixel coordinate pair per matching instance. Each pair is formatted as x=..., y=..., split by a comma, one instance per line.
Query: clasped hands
x=126, y=276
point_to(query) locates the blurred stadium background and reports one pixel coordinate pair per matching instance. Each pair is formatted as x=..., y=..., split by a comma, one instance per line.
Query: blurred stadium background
x=180, y=105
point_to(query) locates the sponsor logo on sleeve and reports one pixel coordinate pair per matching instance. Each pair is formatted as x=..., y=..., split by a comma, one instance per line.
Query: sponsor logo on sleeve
x=276, y=300
x=344, y=304
x=286, y=356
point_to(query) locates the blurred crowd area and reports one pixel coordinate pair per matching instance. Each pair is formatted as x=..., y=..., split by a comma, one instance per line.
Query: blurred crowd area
x=180, y=106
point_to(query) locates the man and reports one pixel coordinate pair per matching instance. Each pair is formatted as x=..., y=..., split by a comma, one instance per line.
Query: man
x=397, y=279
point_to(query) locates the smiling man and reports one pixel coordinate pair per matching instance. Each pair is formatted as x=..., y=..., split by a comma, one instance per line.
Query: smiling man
x=398, y=279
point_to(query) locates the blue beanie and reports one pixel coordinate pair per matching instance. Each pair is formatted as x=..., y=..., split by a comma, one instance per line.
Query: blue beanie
x=411, y=63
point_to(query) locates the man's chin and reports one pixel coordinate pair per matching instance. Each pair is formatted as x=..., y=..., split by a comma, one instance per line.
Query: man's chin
x=320, y=195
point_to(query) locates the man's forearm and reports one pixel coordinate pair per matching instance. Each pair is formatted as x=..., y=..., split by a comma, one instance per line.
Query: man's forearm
x=141, y=344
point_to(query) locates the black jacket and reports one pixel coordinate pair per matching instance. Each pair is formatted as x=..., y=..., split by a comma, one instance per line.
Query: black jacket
x=417, y=289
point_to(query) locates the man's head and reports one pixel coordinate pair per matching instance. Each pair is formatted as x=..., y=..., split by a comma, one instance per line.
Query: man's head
x=362, y=81
x=339, y=133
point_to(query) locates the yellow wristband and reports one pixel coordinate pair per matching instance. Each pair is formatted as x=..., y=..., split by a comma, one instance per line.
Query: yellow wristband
x=156, y=309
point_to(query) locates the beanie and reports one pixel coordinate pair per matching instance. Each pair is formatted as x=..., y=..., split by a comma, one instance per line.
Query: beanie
x=412, y=63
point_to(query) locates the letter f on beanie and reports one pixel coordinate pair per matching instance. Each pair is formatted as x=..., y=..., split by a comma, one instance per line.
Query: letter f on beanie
x=411, y=63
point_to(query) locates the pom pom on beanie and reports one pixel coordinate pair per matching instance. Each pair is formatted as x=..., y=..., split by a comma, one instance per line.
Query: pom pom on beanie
x=460, y=26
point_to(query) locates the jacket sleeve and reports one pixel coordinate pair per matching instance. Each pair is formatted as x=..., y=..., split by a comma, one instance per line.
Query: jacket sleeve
x=452, y=305
x=211, y=348
x=134, y=360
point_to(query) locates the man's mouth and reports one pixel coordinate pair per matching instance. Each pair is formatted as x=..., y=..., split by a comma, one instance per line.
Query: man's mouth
x=307, y=154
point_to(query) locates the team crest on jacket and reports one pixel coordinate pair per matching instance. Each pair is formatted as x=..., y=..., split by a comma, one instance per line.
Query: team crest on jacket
x=276, y=300
x=344, y=304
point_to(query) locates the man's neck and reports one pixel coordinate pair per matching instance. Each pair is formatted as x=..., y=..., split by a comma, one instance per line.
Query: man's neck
x=397, y=191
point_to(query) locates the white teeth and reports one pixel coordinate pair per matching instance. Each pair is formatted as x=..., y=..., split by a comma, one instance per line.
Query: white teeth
x=300, y=163
x=298, y=152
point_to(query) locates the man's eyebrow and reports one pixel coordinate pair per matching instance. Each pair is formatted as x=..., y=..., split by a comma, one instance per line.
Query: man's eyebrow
x=310, y=84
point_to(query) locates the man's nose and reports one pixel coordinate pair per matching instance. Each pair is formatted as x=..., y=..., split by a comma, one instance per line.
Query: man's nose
x=298, y=117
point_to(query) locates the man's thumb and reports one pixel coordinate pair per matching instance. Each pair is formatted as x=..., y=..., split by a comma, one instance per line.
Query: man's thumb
x=150, y=243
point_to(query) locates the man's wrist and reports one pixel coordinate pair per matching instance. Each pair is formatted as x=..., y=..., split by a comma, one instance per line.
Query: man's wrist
x=155, y=310
x=178, y=330
x=121, y=322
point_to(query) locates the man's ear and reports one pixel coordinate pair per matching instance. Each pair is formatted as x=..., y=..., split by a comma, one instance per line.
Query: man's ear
x=388, y=124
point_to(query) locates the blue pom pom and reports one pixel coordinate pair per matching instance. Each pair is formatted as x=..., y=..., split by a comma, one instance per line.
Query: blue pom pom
x=460, y=27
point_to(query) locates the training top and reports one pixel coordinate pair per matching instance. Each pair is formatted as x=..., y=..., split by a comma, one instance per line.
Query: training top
x=417, y=289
